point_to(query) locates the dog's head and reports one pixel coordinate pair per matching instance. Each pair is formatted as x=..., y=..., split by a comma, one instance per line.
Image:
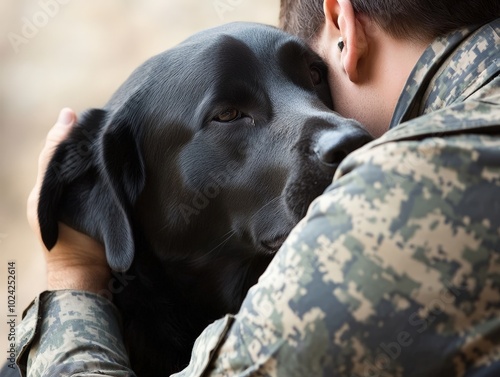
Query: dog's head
x=219, y=144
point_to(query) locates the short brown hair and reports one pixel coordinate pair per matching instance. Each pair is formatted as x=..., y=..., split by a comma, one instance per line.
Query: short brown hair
x=303, y=18
x=405, y=19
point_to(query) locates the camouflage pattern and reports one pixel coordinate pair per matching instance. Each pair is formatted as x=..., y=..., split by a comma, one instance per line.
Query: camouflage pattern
x=395, y=271
x=80, y=332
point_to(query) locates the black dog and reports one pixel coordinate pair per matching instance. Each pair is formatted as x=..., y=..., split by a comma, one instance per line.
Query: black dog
x=193, y=175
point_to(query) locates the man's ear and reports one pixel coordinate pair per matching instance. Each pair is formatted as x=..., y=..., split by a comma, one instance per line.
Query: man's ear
x=341, y=21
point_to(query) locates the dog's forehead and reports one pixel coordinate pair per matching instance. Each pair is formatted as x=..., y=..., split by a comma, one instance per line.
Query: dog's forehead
x=227, y=51
x=240, y=44
x=219, y=61
x=258, y=37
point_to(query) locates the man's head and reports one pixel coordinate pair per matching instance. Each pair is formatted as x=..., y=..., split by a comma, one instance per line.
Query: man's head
x=411, y=19
x=383, y=41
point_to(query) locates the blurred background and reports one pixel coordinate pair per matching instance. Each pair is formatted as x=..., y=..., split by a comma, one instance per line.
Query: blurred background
x=75, y=53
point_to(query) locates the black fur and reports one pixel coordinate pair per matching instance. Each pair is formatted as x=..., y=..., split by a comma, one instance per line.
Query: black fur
x=193, y=208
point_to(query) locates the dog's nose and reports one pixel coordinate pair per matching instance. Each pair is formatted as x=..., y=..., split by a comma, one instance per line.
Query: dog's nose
x=333, y=146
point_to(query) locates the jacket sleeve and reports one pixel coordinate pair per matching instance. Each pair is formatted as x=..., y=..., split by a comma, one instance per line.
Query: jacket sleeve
x=393, y=272
x=78, y=334
x=71, y=333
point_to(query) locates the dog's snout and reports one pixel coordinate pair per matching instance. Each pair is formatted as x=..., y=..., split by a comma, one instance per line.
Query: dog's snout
x=333, y=146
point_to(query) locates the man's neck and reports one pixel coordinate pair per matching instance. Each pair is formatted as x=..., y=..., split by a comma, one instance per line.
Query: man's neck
x=382, y=71
x=388, y=65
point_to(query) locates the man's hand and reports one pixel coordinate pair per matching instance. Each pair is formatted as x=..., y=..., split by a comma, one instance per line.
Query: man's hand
x=76, y=261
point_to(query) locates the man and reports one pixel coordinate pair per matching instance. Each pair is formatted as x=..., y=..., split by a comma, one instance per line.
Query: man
x=395, y=271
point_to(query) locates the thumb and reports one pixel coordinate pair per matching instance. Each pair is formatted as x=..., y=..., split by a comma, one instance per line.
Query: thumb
x=60, y=130
x=56, y=135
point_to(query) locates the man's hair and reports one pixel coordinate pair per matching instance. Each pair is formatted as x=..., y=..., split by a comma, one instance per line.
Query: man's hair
x=303, y=18
x=404, y=19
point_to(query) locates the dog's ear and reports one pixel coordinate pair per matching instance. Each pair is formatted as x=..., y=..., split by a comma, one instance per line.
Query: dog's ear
x=123, y=169
x=92, y=183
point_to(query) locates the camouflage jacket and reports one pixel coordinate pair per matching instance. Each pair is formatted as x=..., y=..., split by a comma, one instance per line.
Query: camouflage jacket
x=395, y=271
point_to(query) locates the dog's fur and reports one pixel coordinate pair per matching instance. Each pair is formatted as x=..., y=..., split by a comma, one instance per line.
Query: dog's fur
x=190, y=204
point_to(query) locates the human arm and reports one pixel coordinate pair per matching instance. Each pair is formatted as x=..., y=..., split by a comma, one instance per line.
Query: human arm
x=72, y=329
x=71, y=333
x=76, y=261
x=371, y=280
x=392, y=272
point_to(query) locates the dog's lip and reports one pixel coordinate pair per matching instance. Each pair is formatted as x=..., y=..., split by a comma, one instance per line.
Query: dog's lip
x=274, y=244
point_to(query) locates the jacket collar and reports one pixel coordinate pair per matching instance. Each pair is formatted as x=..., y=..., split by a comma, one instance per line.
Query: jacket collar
x=451, y=69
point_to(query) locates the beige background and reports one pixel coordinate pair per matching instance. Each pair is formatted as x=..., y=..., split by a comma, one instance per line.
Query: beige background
x=76, y=54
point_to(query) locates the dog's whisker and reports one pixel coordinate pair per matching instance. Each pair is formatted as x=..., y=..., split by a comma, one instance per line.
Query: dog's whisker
x=226, y=239
x=272, y=201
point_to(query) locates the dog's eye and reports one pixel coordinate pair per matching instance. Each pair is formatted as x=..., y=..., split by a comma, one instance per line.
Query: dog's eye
x=228, y=115
x=316, y=75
